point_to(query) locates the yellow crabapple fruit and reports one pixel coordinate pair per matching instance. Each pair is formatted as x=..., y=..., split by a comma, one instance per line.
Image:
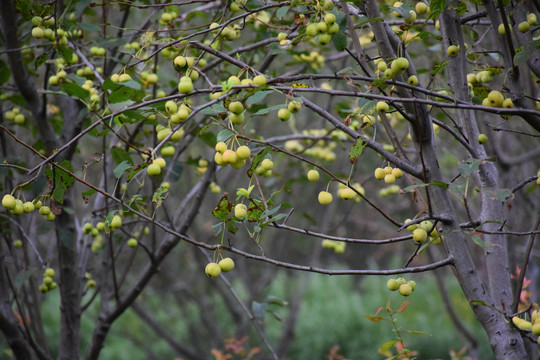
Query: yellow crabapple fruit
x=392, y=284
x=419, y=235
x=325, y=198
x=313, y=175
x=226, y=264
x=405, y=289
x=212, y=270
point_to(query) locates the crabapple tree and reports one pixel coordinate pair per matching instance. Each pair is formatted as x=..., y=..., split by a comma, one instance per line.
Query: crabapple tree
x=189, y=143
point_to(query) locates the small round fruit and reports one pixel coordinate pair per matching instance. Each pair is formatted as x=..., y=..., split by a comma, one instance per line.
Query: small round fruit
x=419, y=235
x=236, y=119
x=531, y=18
x=495, y=98
x=160, y=162
x=347, y=194
x=284, y=114
x=380, y=173
x=38, y=33
x=116, y=222
x=382, y=107
x=45, y=210
x=17, y=244
x=229, y=156
x=132, y=243
x=212, y=270
x=325, y=198
x=501, y=30
x=171, y=107
x=397, y=173
x=392, y=285
x=524, y=26
x=9, y=202
x=324, y=39
x=49, y=272
x=508, y=103
x=124, y=78
x=100, y=226
x=482, y=138
x=452, y=50
x=313, y=175
x=405, y=289
x=153, y=169
x=243, y=152
x=421, y=7
x=259, y=80
x=399, y=65
x=236, y=107
x=312, y=30
x=294, y=106
x=536, y=328
x=412, y=283
x=226, y=264
x=221, y=147
x=186, y=86
x=267, y=164
x=413, y=80
x=329, y=18
x=389, y=179
x=240, y=211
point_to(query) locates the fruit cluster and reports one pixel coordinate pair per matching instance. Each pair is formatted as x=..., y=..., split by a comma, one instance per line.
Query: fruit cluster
x=15, y=115
x=213, y=269
x=265, y=168
x=225, y=156
x=404, y=287
x=155, y=167
x=533, y=325
x=17, y=207
x=48, y=281
x=389, y=174
x=421, y=232
x=337, y=246
x=324, y=29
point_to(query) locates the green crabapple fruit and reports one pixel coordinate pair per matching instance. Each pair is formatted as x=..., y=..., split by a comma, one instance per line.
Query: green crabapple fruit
x=482, y=138
x=226, y=264
x=382, y=107
x=389, y=179
x=419, y=235
x=116, y=222
x=132, y=243
x=313, y=175
x=267, y=164
x=259, y=80
x=153, y=169
x=45, y=210
x=212, y=270
x=240, y=211
x=243, y=152
x=236, y=107
x=325, y=198
x=9, y=202
x=405, y=289
x=380, y=173
x=392, y=285
x=413, y=80
x=284, y=114
x=399, y=65
x=524, y=26
x=171, y=107
x=452, y=50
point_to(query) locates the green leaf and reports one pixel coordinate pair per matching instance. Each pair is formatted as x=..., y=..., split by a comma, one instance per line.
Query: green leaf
x=60, y=180
x=439, y=67
x=387, y=346
x=434, y=183
x=224, y=135
x=265, y=111
x=217, y=228
x=120, y=155
x=269, y=212
x=160, y=194
x=5, y=73
x=274, y=300
x=356, y=150
x=436, y=7
x=75, y=90
x=231, y=228
x=258, y=96
x=136, y=171
x=223, y=208
x=65, y=53
x=340, y=41
x=40, y=60
x=526, y=52
x=121, y=168
x=88, y=193
x=282, y=11
x=469, y=166
x=121, y=94
x=257, y=160
x=244, y=192
x=478, y=241
x=258, y=310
